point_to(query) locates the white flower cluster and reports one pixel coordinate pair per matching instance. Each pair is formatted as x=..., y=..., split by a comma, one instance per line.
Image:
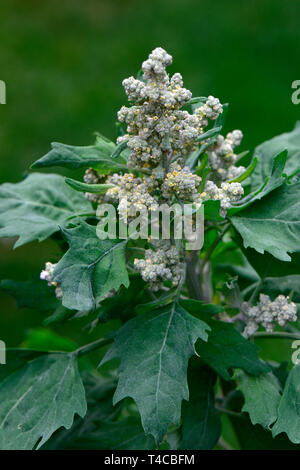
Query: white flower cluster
x=131, y=193
x=221, y=156
x=47, y=275
x=156, y=122
x=212, y=108
x=226, y=194
x=267, y=313
x=181, y=182
x=159, y=136
x=160, y=265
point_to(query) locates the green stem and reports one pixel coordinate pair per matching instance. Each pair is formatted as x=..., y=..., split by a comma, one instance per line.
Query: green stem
x=250, y=288
x=257, y=287
x=227, y=412
x=192, y=279
x=212, y=248
x=180, y=285
x=86, y=349
x=277, y=335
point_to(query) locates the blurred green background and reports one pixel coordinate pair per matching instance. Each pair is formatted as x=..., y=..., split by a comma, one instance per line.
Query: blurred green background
x=63, y=63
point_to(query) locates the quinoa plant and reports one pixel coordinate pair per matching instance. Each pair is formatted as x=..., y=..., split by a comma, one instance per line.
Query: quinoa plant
x=179, y=364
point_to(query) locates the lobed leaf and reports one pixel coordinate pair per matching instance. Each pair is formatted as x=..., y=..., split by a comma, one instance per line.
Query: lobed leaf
x=154, y=349
x=266, y=151
x=286, y=285
x=90, y=268
x=226, y=348
x=96, y=156
x=289, y=410
x=276, y=179
x=37, y=398
x=35, y=208
x=272, y=224
x=262, y=396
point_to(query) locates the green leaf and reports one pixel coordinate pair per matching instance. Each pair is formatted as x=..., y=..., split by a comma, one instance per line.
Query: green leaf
x=37, y=398
x=96, y=156
x=246, y=173
x=253, y=437
x=276, y=179
x=262, y=396
x=90, y=268
x=15, y=359
x=286, y=285
x=154, y=349
x=228, y=259
x=127, y=434
x=119, y=149
x=60, y=314
x=266, y=151
x=35, y=208
x=226, y=348
x=256, y=437
x=281, y=372
x=91, y=188
x=99, y=392
x=197, y=307
x=164, y=299
x=34, y=294
x=197, y=100
x=266, y=265
x=129, y=298
x=210, y=133
x=272, y=224
x=201, y=425
x=289, y=410
x=212, y=211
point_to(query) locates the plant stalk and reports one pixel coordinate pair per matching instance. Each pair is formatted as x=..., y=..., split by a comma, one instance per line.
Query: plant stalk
x=87, y=348
x=277, y=335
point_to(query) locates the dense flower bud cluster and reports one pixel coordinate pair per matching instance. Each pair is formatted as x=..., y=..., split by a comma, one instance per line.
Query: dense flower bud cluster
x=47, y=275
x=211, y=109
x=131, y=193
x=160, y=265
x=226, y=194
x=267, y=313
x=156, y=122
x=221, y=156
x=180, y=182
